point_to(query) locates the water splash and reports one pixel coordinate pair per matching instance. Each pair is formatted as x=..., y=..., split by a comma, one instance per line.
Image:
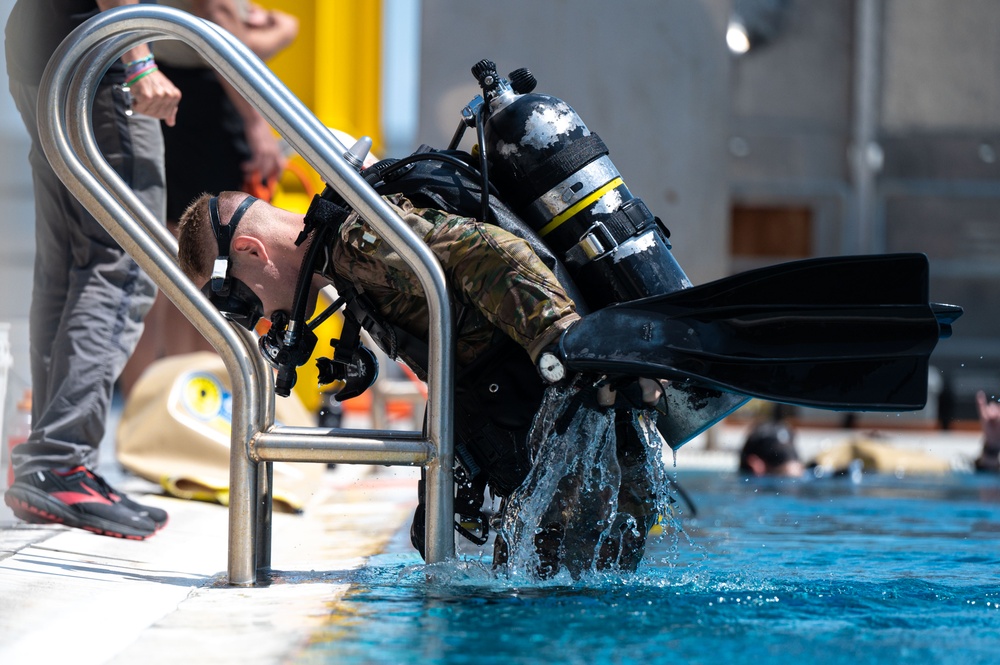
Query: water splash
x=577, y=510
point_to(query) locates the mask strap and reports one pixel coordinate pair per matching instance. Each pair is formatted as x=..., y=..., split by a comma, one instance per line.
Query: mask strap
x=224, y=236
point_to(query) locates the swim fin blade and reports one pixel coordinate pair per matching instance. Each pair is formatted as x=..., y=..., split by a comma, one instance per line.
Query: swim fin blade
x=845, y=333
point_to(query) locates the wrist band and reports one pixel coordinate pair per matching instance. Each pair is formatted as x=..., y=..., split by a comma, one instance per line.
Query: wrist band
x=135, y=72
x=138, y=66
x=132, y=73
x=143, y=74
x=133, y=63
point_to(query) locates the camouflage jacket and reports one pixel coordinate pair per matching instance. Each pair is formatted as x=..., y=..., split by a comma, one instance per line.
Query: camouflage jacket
x=495, y=279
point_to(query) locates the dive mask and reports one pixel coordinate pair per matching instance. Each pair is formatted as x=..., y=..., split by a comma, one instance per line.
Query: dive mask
x=230, y=296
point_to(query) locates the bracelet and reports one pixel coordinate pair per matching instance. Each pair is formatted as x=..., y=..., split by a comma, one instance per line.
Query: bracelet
x=146, y=72
x=129, y=75
x=137, y=66
x=133, y=63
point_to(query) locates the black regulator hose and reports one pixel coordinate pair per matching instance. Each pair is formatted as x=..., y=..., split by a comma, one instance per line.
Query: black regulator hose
x=295, y=332
x=463, y=166
x=481, y=138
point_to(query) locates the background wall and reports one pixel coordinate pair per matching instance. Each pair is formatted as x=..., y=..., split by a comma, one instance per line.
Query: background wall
x=922, y=106
x=637, y=72
x=17, y=226
x=861, y=126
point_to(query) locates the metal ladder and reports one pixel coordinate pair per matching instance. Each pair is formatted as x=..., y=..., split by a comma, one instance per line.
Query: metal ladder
x=66, y=131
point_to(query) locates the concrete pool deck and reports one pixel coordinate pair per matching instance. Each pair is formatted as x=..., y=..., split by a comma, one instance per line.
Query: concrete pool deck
x=71, y=596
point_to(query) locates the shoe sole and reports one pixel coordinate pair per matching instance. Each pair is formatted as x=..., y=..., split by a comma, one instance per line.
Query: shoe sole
x=40, y=508
x=31, y=518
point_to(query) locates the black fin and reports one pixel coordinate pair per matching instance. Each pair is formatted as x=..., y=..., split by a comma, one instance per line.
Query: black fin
x=849, y=333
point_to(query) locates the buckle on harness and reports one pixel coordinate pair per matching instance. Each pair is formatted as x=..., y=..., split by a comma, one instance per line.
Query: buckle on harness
x=595, y=244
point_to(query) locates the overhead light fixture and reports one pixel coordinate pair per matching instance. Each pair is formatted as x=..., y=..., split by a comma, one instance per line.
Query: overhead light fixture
x=737, y=38
x=754, y=23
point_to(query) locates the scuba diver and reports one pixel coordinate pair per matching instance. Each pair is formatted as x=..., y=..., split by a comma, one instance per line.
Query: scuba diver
x=559, y=277
x=769, y=450
x=510, y=309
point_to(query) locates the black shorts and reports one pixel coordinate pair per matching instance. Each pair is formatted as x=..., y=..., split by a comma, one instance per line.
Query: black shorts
x=206, y=147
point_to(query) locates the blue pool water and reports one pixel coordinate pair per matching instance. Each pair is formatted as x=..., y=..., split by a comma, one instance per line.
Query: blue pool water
x=884, y=570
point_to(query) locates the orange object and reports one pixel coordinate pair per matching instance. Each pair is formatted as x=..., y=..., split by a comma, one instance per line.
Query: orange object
x=301, y=173
x=260, y=188
x=360, y=404
x=398, y=409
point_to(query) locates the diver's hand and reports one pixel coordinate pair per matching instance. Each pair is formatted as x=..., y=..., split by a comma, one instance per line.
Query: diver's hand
x=639, y=393
x=650, y=391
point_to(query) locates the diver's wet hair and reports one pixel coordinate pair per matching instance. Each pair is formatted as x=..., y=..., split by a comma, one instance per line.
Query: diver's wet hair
x=772, y=442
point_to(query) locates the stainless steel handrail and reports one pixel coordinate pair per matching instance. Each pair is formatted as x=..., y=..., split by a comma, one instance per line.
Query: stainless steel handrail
x=66, y=132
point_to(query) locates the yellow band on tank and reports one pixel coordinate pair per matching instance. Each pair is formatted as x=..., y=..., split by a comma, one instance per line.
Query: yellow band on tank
x=578, y=206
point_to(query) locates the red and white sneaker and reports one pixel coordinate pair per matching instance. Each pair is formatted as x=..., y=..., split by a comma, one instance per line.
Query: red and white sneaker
x=82, y=499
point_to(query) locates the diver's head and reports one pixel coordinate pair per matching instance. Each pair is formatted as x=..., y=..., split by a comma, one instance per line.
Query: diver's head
x=243, y=251
x=770, y=451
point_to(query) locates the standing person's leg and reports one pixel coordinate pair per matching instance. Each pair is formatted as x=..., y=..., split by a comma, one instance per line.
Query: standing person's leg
x=86, y=316
x=204, y=152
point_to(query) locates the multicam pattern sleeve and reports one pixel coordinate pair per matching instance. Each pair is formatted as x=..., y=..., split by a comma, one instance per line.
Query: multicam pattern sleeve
x=492, y=273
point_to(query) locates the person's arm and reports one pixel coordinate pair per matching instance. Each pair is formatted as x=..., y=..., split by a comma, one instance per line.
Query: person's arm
x=265, y=31
x=268, y=31
x=152, y=93
x=989, y=421
x=277, y=30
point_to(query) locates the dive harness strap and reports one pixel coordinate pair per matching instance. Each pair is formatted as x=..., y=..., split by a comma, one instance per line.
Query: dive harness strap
x=604, y=236
x=554, y=170
x=290, y=341
x=324, y=213
x=359, y=312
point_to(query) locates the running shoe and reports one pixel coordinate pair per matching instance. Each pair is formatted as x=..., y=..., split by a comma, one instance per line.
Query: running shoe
x=157, y=515
x=77, y=498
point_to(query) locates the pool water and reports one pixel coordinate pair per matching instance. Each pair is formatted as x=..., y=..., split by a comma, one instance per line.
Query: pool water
x=883, y=570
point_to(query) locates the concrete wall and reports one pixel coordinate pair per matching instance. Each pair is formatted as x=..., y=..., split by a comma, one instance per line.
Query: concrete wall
x=791, y=121
x=936, y=186
x=17, y=223
x=940, y=185
x=639, y=74
x=942, y=66
x=693, y=129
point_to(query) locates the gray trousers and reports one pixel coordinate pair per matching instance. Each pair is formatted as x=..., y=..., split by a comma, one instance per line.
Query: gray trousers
x=89, y=297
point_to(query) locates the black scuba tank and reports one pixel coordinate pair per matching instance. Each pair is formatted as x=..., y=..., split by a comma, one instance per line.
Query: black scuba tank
x=557, y=176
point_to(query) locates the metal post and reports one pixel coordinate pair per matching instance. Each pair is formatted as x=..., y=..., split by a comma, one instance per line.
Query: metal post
x=865, y=152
